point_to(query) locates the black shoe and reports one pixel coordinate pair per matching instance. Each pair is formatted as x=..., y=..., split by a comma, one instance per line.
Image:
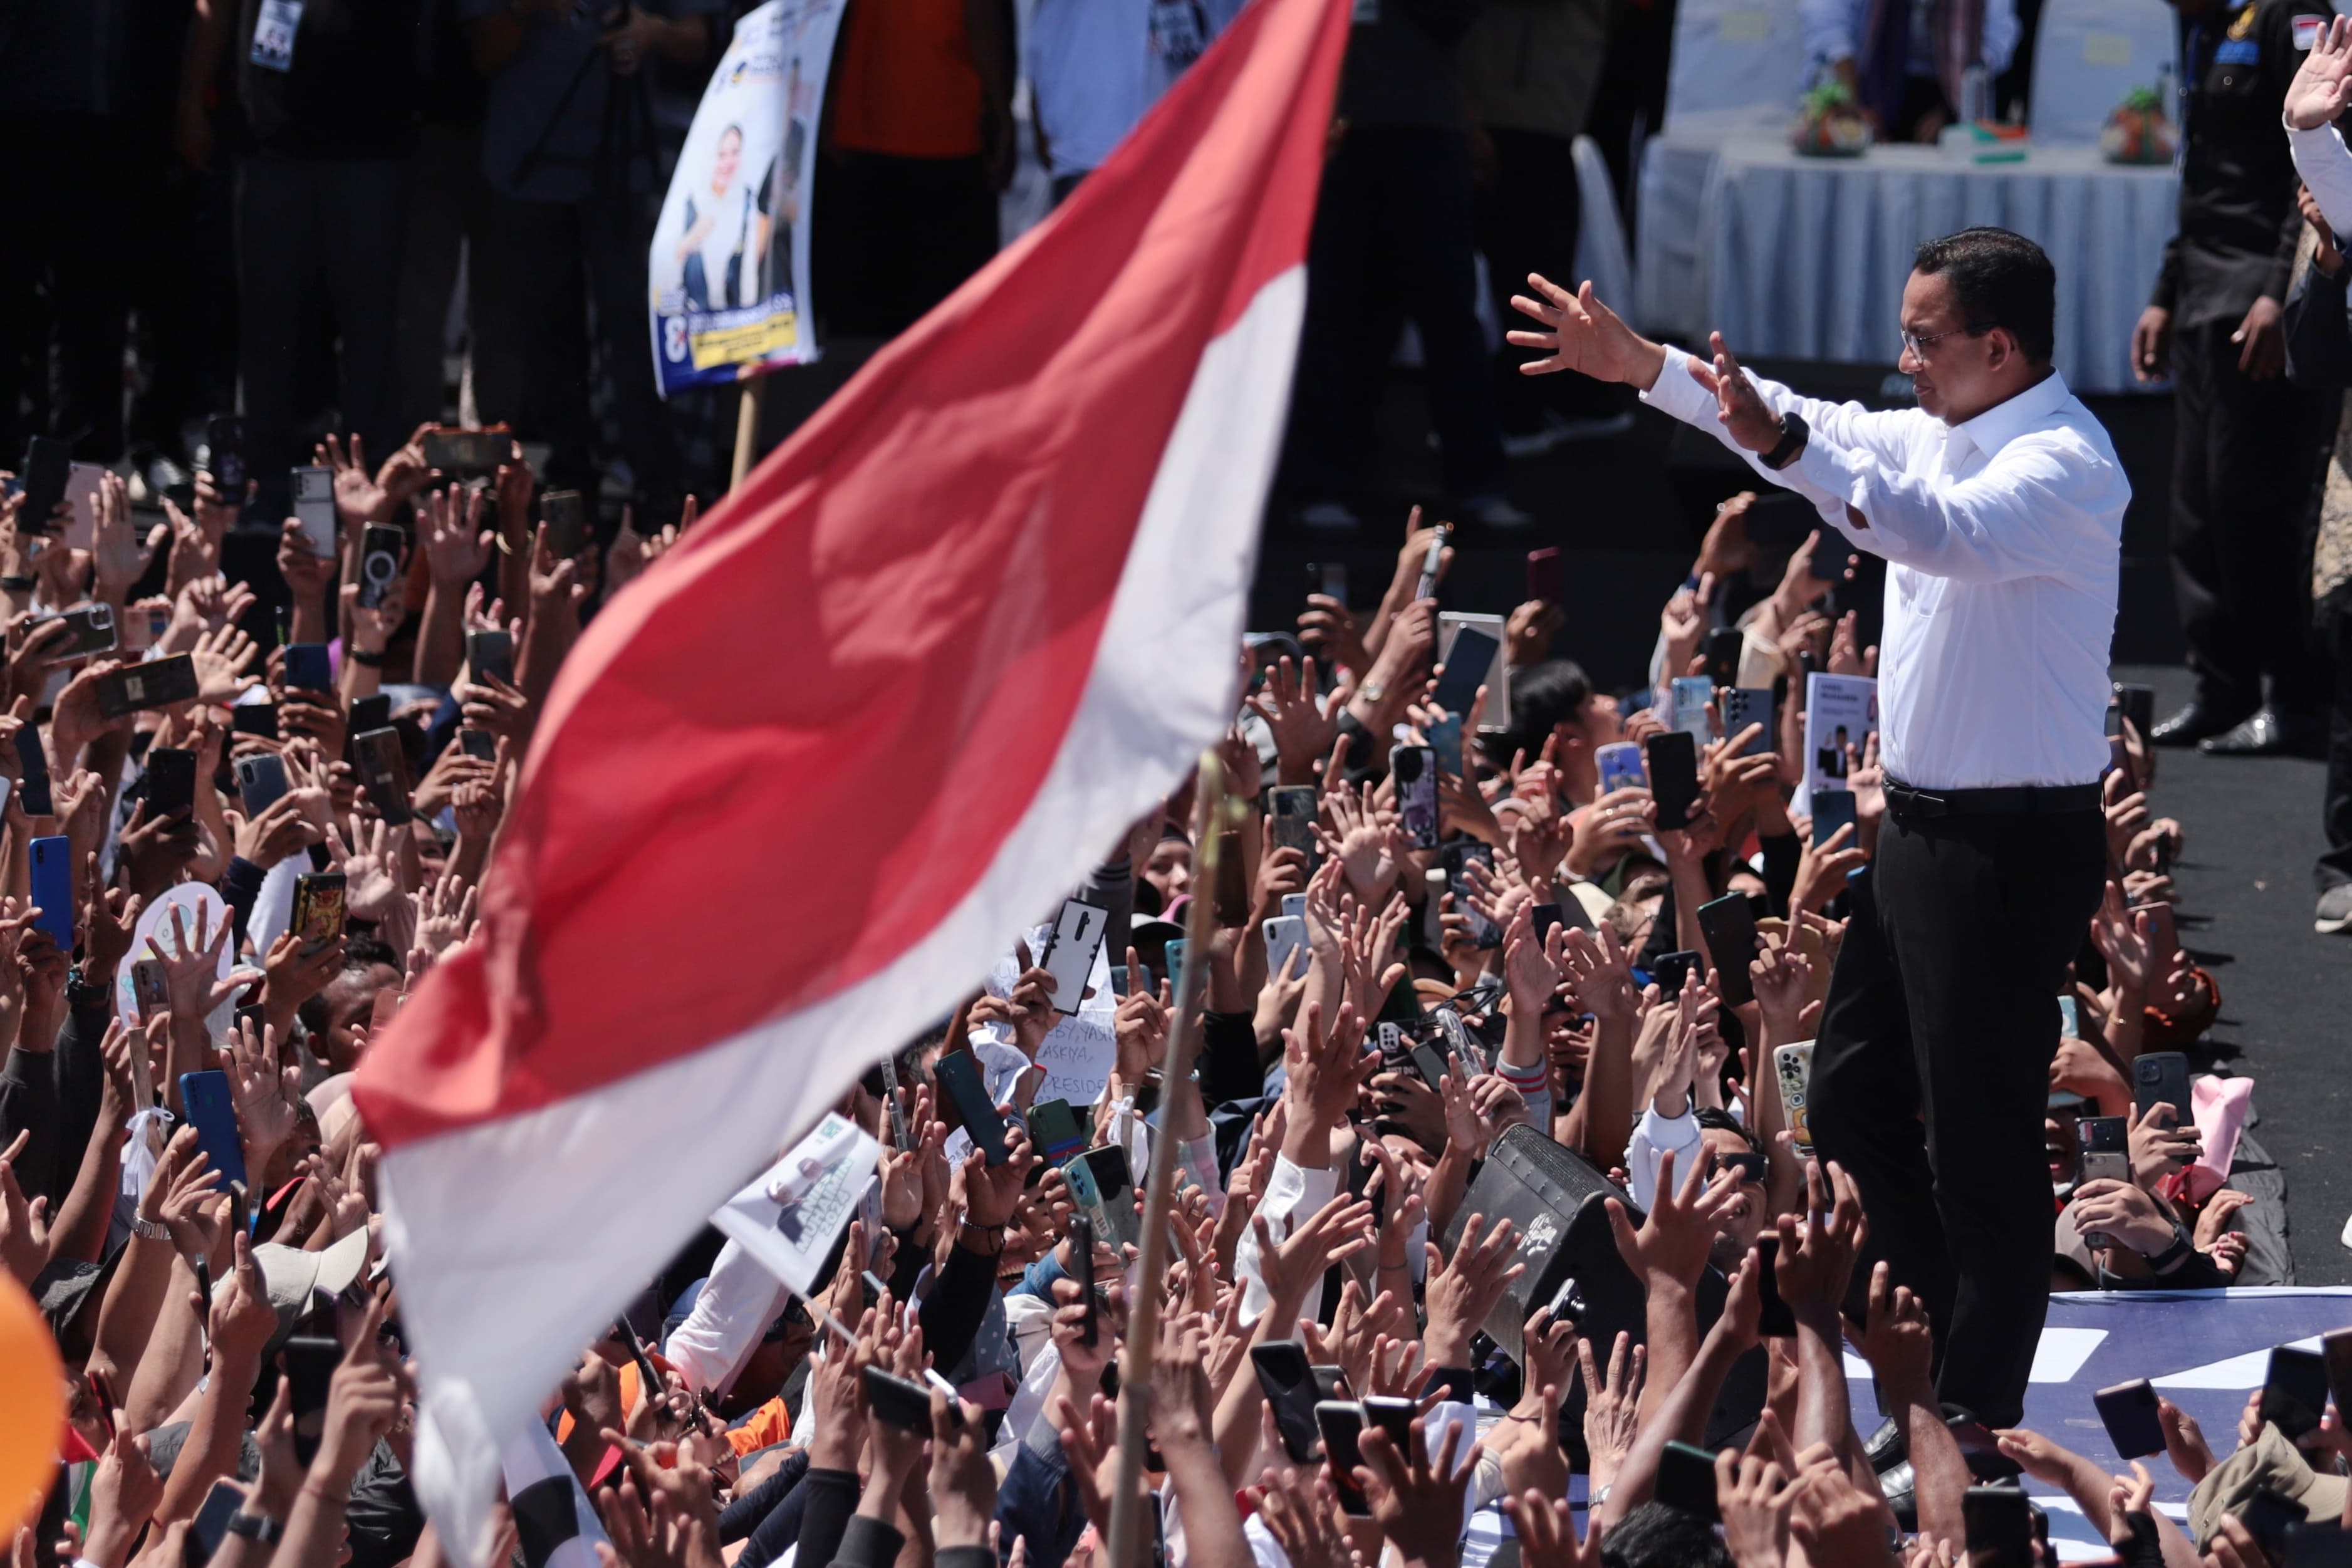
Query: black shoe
x=2267, y=732
x=2198, y=721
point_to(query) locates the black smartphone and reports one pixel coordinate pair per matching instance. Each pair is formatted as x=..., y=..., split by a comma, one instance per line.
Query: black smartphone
x=1729, y=924
x=1431, y=1063
x=158, y=682
x=1778, y=1320
x=2294, y=1394
x=455, y=451
x=380, y=548
x=1082, y=1247
x=490, y=654
x=1672, y=758
x=1671, y=968
x=48, y=466
x=210, y=1527
x=1413, y=769
x=2267, y=1516
x=308, y=668
x=2000, y=1522
x=1395, y=1418
x=566, y=519
x=1723, y=657
x=2336, y=1351
x=1746, y=706
x=224, y=457
x=1341, y=1422
x=2161, y=1078
x=898, y=1402
x=2318, y=1543
x=373, y=711
x=384, y=769
x=33, y=764
x=1102, y=1189
x=1054, y=1128
x=90, y=629
x=1467, y=664
x=1289, y=1384
x=1542, y=918
x=254, y=718
x=1543, y=575
x=959, y=1077
x=260, y=781
x=2129, y=1411
x=478, y=743
x=1685, y=1481
x=2137, y=704
x=170, y=782
x=310, y=1362
x=1329, y=578
x=1833, y=810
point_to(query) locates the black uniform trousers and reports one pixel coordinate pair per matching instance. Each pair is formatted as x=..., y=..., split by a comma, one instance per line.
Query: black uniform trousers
x=1931, y=1073
x=2244, y=455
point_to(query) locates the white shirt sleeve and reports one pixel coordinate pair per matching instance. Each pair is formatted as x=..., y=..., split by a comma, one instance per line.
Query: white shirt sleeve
x=1830, y=28
x=737, y=1304
x=2325, y=165
x=1652, y=1136
x=1289, y=1191
x=1883, y=434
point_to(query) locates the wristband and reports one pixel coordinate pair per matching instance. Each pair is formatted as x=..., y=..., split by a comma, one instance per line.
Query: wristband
x=19, y=584
x=2165, y=1261
x=362, y=658
x=255, y=1527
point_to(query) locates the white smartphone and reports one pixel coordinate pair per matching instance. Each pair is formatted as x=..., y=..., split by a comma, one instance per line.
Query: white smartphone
x=1070, y=952
x=82, y=489
x=314, y=507
x=1284, y=935
x=1692, y=693
x=1793, y=1065
x=1294, y=905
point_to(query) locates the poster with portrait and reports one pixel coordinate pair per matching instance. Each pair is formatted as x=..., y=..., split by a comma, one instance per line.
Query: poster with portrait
x=730, y=267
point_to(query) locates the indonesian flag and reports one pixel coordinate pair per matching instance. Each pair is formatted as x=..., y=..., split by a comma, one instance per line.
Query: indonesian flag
x=796, y=789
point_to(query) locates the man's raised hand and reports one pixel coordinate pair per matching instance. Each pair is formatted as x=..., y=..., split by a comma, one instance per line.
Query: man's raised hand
x=1582, y=334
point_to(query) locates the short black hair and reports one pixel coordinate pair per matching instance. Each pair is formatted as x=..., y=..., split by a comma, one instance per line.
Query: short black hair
x=1656, y=1536
x=1999, y=280
x=1542, y=696
x=1724, y=1121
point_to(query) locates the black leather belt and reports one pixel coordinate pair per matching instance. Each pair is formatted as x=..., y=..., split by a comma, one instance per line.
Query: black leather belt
x=2024, y=799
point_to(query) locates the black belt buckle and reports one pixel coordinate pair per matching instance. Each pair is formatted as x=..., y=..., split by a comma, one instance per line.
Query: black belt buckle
x=1917, y=802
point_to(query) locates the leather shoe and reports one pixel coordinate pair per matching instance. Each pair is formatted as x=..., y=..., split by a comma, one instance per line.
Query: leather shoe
x=2194, y=723
x=2267, y=732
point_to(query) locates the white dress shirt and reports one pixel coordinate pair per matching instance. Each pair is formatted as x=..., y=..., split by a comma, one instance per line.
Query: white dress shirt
x=2003, y=538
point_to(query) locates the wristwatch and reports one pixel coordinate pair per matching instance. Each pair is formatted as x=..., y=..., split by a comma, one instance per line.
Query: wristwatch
x=2163, y=1262
x=1794, y=433
x=148, y=1229
x=253, y=1527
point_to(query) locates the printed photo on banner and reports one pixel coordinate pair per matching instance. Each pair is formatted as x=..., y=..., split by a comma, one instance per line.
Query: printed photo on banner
x=1839, y=711
x=730, y=256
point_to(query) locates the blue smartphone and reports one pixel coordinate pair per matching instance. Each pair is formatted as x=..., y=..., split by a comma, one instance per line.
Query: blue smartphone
x=53, y=889
x=1173, y=957
x=1446, y=739
x=34, y=763
x=204, y=1097
x=1621, y=766
x=1833, y=810
x=306, y=667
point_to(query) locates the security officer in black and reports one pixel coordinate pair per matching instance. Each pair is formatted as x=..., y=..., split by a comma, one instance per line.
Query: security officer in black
x=2247, y=443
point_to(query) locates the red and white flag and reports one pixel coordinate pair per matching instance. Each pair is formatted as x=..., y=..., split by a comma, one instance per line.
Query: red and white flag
x=797, y=788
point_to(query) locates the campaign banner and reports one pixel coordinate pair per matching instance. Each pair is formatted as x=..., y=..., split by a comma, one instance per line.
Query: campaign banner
x=730, y=267
x=1840, y=710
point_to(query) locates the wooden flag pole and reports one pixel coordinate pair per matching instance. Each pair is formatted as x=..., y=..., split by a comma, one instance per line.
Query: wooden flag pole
x=747, y=428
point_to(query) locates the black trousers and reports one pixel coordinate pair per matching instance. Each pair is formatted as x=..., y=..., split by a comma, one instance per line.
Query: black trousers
x=65, y=279
x=1931, y=1074
x=2245, y=454
x=2334, y=866
x=899, y=235
x=1527, y=222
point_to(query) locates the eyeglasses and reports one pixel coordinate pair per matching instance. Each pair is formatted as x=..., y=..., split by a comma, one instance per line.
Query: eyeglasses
x=1915, y=344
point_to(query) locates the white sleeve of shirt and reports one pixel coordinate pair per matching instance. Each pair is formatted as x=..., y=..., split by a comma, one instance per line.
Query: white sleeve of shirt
x=2325, y=165
x=1883, y=434
x=737, y=1304
x=1289, y=1191
x=1652, y=1136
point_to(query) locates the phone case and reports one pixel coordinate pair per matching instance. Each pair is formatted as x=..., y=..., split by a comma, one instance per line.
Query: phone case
x=307, y=667
x=1621, y=766
x=1692, y=693
x=380, y=550
x=260, y=782
x=1103, y=1189
x=1413, y=771
x=33, y=763
x=384, y=769
x=1729, y=924
x=1672, y=759
x=1744, y=706
x=1288, y=1383
x=1341, y=1424
x=318, y=913
x=206, y=1098
x=52, y=889
x=1284, y=935
x=2129, y=1411
x=958, y=1075
x=1793, y=1064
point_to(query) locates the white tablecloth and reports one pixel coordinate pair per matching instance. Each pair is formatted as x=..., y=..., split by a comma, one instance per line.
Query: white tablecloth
x=1806, y=258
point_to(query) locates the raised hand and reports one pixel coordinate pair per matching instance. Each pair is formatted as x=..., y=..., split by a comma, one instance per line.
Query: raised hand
x=2322, y=87
x=1463, y=1288
x=1678, y=1233
x=1577, y=332
x=1813, y=1274
x=1417, y=1502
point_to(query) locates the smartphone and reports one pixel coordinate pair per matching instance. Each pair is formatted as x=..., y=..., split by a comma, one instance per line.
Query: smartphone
x=33, y=764
x=1745, y=705
x=1230, y=897
x=314, y=508
x=310, y=1362
x=1431, y=1063
x=254, y=718
x=1621, y=766
x=1999, y=1522
x=1723, y=646
x=2137, y=704
x=1672, y=759
x=1328, y=578
x=458, y=452
x=1341, y=1423
x=959, y=1077
x=2163, y=936
x=1542, y=918
x=566, y=519
x=1778, y=1319
x=1395, y=1418
x=1670, y=968
x=150, y=988
x=384, y=769
x=224, y=457
x=1729, y=924
x=1685, y=1481
x=2268, y=1516
x=1284, y=935
x=2318, y=1543
x=1543, y=575
x=1171, y=953
x=1070, y=951
x=210, y=1527
x=1289, y=1384
x=1444, y=734
x=1054, y=1128
x=2294, y=1394
x=1413, y=769
x=317, y=915
x=1793, y=1065
x=90, y=629
x=1833, y=810
x=48, y=466
x=2161, y=1077
x=158, y=682
x=478, y=743
x=260, y=781
x=1102, y=1189
x=1290, y=819
x=1082, y=1247
x=1467, y=664
x=52, y=889
x=490, y=654
x=2103, y=1150
x=2129, y=1411
x=2336, y=1351
x=1123, y=981
x=170, y=782
x=373, y=711
x=1456, y=858
x=206, y=1098
x=307, y=667
x=380, y=552
x=1692, y=693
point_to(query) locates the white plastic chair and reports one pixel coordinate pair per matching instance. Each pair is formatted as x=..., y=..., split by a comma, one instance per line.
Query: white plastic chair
x=1601, y=252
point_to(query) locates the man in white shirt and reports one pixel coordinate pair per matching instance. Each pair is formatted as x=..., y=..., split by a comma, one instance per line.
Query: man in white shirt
x=1998, y=505
x=1906, y=60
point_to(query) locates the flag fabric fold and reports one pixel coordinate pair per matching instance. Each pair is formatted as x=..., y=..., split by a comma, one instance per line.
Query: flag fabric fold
x=797, y=787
